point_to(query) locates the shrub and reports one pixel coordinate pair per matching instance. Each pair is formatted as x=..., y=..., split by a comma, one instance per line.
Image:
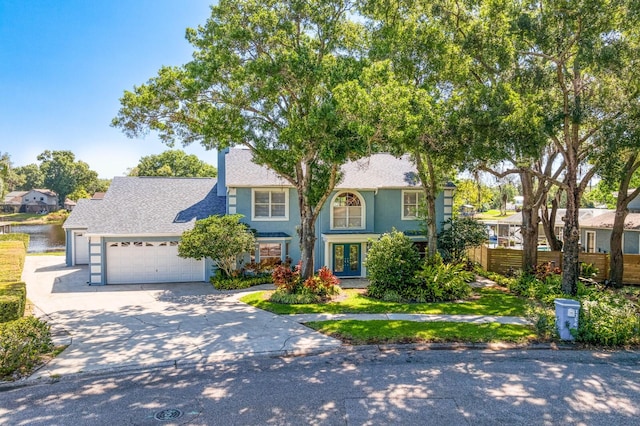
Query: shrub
x=236, y=283
x=458, y=235
x=290, y=289
x=221, y=238
x=13, y=298
x=324, y=284
x=543, y=319
x=286, y=279
x=608, y=320
x=22, y=342
x=588, y=270
x=392, y=263
x=438, y=282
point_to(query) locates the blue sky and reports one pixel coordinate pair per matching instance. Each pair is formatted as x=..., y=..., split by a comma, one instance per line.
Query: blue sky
x=64, y=64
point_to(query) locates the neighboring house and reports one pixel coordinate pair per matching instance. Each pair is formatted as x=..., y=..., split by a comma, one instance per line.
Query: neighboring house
x=505, y=231
x=69, y=204
x=34, y=201
x=12, y=202
x=131, y=234
x=595, y=233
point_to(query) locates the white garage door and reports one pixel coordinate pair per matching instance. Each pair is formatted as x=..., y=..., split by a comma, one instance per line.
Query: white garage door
x=81, y=249
x=150, y=262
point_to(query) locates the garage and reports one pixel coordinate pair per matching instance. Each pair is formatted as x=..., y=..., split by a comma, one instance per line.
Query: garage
x=150, y=262
x=80, y=249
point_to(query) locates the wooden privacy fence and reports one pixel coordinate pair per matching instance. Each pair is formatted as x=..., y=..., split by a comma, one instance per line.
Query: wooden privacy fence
x=503, y=260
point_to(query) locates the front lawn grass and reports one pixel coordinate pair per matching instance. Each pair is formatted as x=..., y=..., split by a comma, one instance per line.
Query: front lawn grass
x=485, y=301
x=493, y=214
x=386, y=332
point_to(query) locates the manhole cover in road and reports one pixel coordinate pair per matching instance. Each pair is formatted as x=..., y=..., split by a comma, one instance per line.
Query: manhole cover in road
x=168, y=414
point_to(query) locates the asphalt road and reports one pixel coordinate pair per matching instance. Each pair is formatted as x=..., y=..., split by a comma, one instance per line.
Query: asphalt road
x=363, y=387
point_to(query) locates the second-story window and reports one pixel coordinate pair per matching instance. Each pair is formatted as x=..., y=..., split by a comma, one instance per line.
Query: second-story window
x=270, y=204
x=411, y=203
x=347, y=211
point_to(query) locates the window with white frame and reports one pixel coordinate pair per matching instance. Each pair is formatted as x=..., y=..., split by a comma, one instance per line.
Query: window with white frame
x=347, y=211
x=590, y=236
x=266, y=251
x=411, y=202
x=270, y=204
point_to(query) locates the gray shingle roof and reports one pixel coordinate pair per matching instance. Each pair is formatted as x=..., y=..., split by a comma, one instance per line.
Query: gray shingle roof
x=605, y=220
x=376, y=171
x=84, y=214
x=151, y=206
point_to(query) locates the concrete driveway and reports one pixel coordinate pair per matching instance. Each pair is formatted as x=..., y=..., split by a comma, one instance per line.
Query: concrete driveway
x=129, y=326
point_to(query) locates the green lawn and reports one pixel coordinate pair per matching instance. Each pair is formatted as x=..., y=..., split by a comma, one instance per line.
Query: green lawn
x=381, y=332
x=493, y=214
x=486, y=301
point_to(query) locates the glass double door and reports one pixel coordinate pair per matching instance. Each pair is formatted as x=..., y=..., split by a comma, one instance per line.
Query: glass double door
x=346, y=260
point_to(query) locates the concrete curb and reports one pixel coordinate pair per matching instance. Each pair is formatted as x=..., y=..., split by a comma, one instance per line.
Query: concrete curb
x=35, y=380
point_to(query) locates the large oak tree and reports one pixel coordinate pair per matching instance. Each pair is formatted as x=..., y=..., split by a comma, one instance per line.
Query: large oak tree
x=262, y=76
x=579, y=59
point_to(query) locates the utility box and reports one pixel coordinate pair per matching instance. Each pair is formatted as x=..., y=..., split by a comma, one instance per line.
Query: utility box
x=567, y=311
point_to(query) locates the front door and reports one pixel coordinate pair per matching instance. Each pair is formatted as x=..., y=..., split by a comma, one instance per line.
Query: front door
x=346, y=260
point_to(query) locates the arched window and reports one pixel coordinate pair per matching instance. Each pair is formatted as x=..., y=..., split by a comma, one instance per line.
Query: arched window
x=347, y=211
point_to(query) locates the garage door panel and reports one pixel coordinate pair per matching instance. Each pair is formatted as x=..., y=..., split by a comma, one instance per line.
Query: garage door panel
x=150, y=262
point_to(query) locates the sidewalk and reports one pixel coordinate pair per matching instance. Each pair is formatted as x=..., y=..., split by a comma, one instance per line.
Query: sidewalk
x=475, y=319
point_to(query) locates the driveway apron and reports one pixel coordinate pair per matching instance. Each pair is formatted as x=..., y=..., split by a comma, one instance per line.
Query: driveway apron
x=142, y=325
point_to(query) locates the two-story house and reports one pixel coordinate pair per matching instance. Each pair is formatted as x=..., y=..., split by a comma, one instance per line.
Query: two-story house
x=33, y=201
x=131, y=235
x=377, y=194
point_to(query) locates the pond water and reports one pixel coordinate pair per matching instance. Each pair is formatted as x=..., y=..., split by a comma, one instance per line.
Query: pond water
x=42, y=238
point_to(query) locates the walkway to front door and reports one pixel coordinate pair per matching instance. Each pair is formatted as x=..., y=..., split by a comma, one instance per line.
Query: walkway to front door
x=346, y=260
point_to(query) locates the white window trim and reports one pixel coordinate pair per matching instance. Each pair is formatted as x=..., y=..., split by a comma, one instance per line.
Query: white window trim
x=586, y=241
x=413, y=191
x=270, y=219
x=362, y=204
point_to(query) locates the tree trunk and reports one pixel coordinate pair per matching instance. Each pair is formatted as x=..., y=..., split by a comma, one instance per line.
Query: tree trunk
x=529, y=232
x=570, y=256
x=616, y=257
x=549, y=225
x=530, y=218
x=430, y=186
x=432, y=228
x=307, y=243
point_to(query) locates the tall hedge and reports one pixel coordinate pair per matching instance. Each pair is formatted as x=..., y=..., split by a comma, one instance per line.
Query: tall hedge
x=12, y=254
x=13, y=299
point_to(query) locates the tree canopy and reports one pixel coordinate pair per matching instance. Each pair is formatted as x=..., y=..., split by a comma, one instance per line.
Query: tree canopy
x=63, y=174
x=263, y=75
x=220, y=238
x=176, y=163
